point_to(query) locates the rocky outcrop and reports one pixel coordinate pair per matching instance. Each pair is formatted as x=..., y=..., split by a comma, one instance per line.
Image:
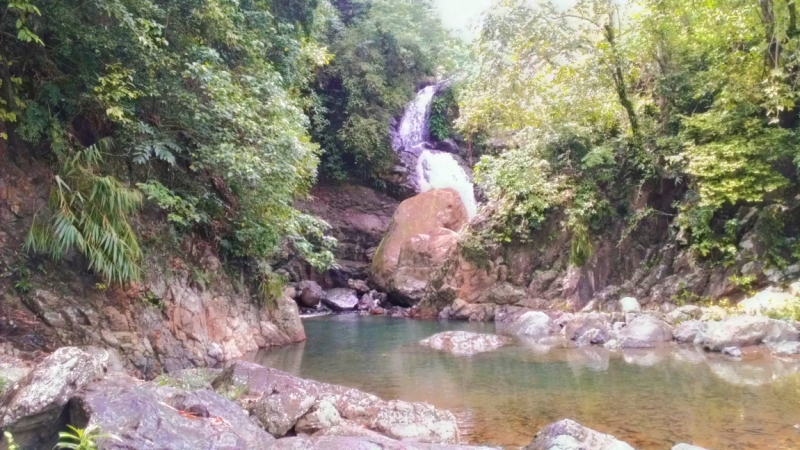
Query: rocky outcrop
x=31, y=407
x=146, y=416
x=359, y=218
x=570, y=435
x=463, y=343
x=280, y=401
x=189, y=410
x=185, y=312
x=166, y=323
x=743, y=331
x=419, y=241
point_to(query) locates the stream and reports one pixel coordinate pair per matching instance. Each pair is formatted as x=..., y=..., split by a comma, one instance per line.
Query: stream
x=649, y=398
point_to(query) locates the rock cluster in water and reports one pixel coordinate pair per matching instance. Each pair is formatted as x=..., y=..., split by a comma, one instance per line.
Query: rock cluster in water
x=245, y=406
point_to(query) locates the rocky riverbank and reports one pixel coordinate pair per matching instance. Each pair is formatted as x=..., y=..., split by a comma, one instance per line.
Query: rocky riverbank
x=244, y=406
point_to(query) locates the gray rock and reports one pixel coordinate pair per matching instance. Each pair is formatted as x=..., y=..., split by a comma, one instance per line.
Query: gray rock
x=463, y=343
x=733, y=352
x=689, y=331
x=341, y=299
x=145, y=416
x=743, y=331
x=32, y=409
x=648, y=329
x=12, y=370
x=360, y=286
x=578, y=324
x=323, y=416
x=569, y=435
x=279, y=400
x=310, y=294
x=630, y=305
x=533, y=324
x=684, y=313
x=367, y=302
x=784, y=348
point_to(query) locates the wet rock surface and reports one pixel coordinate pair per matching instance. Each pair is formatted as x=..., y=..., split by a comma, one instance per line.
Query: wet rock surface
x=570, y=435
x=279, y=401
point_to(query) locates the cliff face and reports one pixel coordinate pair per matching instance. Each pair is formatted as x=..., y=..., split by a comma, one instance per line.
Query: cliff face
x=187, y=311
x=647, y=261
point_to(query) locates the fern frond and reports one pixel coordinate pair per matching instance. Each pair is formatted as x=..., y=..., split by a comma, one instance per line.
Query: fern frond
x=91, y=214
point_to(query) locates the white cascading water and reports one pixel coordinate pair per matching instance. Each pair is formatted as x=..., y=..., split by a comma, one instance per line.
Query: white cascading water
x=414, y=129
x=434, y=169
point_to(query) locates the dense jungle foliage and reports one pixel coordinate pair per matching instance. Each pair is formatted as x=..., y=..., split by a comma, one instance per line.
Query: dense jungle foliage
x=222, y=114
x=596, y=100
x=215, y=111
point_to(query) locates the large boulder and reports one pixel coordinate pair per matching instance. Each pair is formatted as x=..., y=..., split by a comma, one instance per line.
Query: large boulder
x=743, y=331
x=341, y=299
x=689, y=330
x=569, y=435
x=646, y=328
x=279, y=402
x=32, y=409
x=630, y=305
x=532, y=324
x=586, y=328
x=309, y=294
x=463, y=343
x=421, y=236
x=146, y=416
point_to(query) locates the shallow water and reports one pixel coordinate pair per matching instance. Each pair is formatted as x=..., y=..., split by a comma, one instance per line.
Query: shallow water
x=649, y=398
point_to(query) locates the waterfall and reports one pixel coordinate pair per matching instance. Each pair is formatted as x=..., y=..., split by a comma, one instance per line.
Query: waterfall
x=434, y=169
x=414, y=129
x=439, y=171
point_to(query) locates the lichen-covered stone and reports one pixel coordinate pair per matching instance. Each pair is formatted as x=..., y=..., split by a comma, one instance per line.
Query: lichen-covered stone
x=570, y=435
x=31, y=409
x=463, y=343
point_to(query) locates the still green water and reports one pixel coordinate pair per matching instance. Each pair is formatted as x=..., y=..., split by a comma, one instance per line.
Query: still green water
x=649, y=398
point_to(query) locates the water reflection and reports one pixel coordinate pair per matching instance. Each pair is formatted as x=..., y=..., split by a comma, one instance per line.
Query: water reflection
x=651, y=398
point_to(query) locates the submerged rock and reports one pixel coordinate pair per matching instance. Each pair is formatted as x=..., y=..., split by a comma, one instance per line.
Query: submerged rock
x=743, y=331
x=463, y=343
x=341, y=299
x=32, y=410
x=569, y=435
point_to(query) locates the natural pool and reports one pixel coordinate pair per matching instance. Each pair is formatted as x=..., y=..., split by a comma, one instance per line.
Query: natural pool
x=649, y=398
